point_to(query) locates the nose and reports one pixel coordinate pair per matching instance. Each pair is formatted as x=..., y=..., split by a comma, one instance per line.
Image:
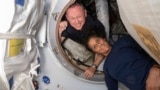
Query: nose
x=76, y=20
x=99, y=46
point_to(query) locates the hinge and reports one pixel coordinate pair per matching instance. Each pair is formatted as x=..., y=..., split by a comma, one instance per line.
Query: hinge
x=55, y=51
x=55, y=15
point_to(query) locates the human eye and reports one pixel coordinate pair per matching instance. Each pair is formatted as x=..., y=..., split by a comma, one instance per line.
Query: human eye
x=79, y=16
x=97, y=40
x=72, y=18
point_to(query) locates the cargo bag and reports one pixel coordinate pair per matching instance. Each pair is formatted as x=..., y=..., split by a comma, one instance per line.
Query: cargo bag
x=20, y=20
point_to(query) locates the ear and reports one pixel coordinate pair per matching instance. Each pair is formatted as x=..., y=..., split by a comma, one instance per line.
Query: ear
x=105, y=39
x=85, y=13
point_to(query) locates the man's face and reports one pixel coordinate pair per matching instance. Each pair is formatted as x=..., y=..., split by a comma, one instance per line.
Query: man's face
x=76, y=16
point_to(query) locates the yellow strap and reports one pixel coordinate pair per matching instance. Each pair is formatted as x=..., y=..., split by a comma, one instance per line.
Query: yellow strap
x=15, y=46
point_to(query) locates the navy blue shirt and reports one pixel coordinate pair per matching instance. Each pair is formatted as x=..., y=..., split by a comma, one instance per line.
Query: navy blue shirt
x=127, y=63
x=77, y=35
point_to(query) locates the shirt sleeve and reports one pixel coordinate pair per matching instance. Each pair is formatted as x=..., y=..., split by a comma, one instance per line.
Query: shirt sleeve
x=129, y=41
x=111, y=83
x=65, y=33
x=68, y=32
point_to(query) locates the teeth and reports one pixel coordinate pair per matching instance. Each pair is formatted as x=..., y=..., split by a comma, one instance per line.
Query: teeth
x=78, y=25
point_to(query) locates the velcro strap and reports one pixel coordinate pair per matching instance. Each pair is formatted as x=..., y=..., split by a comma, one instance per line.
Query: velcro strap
x=15, y=35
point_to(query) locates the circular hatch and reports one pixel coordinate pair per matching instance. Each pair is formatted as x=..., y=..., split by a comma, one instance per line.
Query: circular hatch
x=75, y=67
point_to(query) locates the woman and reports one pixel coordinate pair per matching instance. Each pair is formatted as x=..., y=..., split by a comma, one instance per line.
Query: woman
x=126, y=61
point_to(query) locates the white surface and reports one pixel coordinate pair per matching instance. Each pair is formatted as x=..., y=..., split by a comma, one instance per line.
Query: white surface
x=142, y=20
x=51, y=63
x=60, y=78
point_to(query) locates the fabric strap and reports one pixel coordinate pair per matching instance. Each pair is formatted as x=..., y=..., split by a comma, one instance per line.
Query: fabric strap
x=15, y=35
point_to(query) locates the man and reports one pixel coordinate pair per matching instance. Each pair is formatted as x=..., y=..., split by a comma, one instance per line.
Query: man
x=77, y=21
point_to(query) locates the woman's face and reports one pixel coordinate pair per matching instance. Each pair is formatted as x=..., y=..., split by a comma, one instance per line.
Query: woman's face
x=99, y=45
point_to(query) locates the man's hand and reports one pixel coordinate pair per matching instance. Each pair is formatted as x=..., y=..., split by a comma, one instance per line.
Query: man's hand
x=153, y=80
x=62, y=27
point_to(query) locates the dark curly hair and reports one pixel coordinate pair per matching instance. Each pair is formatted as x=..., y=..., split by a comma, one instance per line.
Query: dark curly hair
x=92, y=32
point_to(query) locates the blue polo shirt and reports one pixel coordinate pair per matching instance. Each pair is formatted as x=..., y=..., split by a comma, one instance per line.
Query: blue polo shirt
x=127, y=63
x=77, y=35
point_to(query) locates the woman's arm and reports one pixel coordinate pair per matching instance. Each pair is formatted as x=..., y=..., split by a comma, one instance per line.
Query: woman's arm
x=89, y=72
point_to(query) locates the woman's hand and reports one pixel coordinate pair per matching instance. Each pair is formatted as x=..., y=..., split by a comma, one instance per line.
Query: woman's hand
x=89, y=72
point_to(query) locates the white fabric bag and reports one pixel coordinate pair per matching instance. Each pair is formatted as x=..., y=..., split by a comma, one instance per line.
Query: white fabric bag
x=20, y=20
x=77, y=51
x=142, y=21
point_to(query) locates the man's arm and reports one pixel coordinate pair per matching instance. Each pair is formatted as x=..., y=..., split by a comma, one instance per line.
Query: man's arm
x=153, y=80
x=62, y=27
x=89, y=72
